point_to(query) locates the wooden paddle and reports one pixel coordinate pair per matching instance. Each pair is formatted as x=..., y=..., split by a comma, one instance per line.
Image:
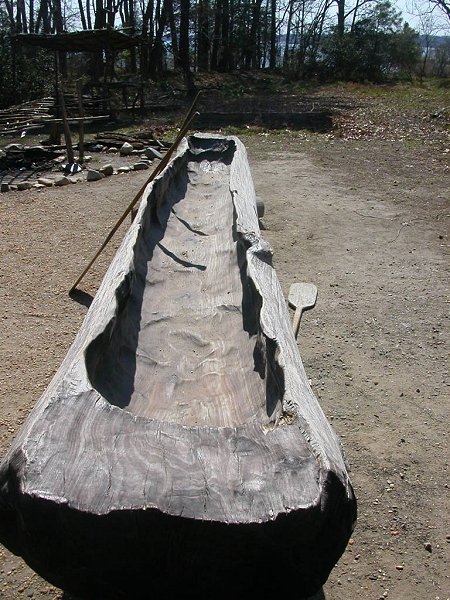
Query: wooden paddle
x=302, y=296
x=184, y=129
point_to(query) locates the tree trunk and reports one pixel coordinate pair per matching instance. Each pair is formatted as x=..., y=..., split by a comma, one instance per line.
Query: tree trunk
x=132, y=24
x=225, y=59
x=254, y=34
x=156, y=54
x=147, y=37
x=21, y=20
x=82, y=15
x=100, y=15
x=184, y=35
x=88, y=14
x=31, y=16
x=273, y=34
x=173, y=30
x=216, y=36
x=341, y=18
x=59, y=26
x=43, y=18
x=203, y=35
x=10, y=11
x=184, y=53
x=286, y=55
x=232, y=51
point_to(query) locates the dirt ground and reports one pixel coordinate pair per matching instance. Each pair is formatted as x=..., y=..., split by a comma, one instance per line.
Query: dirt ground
x=365, y=218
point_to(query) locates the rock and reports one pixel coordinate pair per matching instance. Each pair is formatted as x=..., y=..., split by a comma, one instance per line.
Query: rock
x=136, y=153
x=87, y=158
x=60, y=181
x=2, y=154
x=428, y=547
x=24, y=185
x=152, y=153
x=38, y=186
x=140, y=166
x=93, y=175
x=112, y=150
x=126, y=149
x=107, y=170
x=59, y=159
x=4, y=187
x=45, y=181
x=124, y=169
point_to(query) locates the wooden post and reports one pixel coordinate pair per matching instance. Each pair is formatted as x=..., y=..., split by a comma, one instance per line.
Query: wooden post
x=67, y=135
x=57, y=111
x=55, y=133
x=81, y=125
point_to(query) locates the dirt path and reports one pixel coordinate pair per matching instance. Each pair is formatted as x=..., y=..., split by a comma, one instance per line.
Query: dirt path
x=368, y=224
x=375, y=349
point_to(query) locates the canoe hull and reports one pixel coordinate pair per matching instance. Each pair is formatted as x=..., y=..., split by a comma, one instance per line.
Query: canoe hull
x=127, y=553
x=162, y=457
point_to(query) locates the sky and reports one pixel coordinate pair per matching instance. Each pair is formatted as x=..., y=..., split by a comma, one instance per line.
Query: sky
x=409, y=9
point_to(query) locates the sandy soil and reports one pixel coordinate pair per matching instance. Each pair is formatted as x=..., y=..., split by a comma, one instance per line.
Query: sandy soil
x=367, y=222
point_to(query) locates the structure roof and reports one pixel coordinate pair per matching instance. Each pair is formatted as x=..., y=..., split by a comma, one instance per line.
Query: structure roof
x=90, y=40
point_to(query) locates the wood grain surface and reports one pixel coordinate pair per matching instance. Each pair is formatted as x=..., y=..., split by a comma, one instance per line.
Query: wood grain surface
x=181, y=427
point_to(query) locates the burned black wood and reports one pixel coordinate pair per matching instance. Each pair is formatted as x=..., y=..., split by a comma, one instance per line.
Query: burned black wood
x=314, y=121
x=17, y=156
x=179, y=449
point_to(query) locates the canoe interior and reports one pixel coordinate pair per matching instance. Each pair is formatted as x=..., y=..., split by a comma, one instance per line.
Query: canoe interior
x=185, y=345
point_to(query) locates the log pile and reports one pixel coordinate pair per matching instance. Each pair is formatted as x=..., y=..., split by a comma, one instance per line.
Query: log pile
x=139, y=140
x=35, y=115
x=25, y=117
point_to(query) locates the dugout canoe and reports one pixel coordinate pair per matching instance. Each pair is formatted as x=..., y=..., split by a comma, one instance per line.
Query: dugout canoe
x=179, y=449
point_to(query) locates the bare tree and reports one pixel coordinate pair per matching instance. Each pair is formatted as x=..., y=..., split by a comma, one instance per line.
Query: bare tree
x=430, y=23
x=443, y=5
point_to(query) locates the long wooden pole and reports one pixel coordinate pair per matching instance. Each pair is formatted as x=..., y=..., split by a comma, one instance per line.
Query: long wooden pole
x=184, y=129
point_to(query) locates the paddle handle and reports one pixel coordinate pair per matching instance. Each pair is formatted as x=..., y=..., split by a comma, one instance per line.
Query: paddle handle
x=296, y=321
x=156, y=172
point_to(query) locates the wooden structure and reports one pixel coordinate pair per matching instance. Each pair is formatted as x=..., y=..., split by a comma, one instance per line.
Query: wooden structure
x=93, y=41
x=180, y=449
x=90, y=40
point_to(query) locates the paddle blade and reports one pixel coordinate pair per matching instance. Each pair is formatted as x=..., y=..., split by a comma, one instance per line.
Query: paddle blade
x=302, y=295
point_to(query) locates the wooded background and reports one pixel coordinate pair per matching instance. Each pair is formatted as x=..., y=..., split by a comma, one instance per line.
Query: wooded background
x=362, y=40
